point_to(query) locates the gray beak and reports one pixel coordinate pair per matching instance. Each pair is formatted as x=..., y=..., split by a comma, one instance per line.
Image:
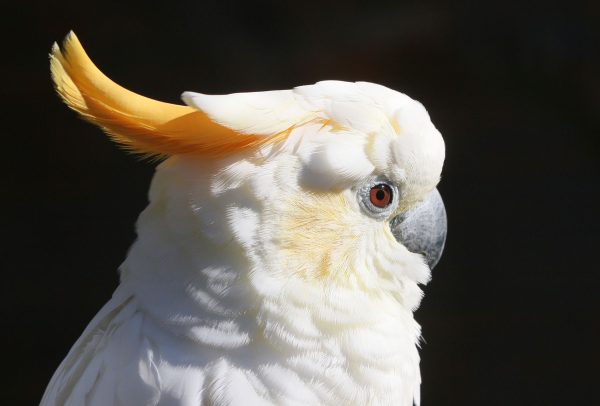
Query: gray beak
x=423, y=228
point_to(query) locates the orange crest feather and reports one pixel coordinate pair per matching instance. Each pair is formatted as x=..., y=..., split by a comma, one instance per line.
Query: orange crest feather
x=138, y=123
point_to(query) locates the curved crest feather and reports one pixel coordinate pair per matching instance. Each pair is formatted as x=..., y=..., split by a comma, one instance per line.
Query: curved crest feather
x=140, y=124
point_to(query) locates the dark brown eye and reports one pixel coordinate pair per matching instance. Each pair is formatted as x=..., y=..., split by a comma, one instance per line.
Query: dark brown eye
x=381, y=195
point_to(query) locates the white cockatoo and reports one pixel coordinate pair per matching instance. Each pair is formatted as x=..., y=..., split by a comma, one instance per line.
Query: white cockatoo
x=280, y=256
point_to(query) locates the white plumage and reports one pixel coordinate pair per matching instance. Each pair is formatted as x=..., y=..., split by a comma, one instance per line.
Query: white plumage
x=256, y=278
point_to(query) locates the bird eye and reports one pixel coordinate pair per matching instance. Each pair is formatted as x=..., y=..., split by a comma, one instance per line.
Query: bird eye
x=381, y=195
x=378, y=198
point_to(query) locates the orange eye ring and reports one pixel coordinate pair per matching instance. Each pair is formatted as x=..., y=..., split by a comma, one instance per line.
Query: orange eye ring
x=381, y=195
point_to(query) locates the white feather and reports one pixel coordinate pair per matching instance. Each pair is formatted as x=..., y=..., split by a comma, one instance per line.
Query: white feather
x=338, y=161
x=263, y=113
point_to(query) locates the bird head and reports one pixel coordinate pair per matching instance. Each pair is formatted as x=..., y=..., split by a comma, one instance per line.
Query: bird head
x=331, y=184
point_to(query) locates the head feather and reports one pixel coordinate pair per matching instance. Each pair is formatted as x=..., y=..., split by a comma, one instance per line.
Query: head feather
x=138, y=123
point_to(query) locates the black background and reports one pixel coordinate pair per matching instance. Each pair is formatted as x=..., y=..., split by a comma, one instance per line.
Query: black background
x=511, y=316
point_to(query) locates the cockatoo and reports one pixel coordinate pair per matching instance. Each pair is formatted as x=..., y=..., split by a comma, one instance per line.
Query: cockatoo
x=280, y=256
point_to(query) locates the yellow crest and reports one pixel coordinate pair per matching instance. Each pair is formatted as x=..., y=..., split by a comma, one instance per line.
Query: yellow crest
x=138, y=123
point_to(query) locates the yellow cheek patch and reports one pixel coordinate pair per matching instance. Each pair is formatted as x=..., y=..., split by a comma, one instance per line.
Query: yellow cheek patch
x=316, y=237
